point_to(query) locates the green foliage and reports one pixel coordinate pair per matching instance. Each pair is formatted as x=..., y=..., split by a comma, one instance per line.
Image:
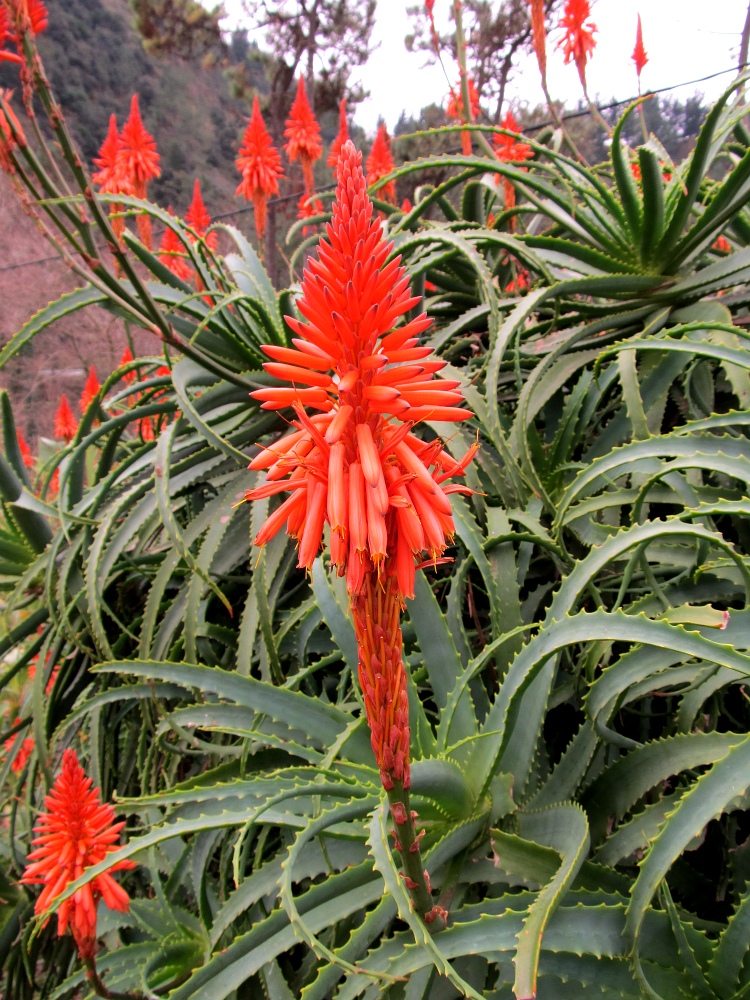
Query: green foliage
x=576, y=675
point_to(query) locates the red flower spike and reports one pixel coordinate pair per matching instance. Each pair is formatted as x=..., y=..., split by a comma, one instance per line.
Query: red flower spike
x=341, y=137
x=137, y=158
x=380, y=163
x=539, y=35
x=455, y=107
x=455, y=110
x=109, y=176
x=24, y=751
x=75, y=831
x=259, y=163
x=172, y=254
x=639, y=56
x=302, y=133
x=198, y=218
x=26, y=455
x=430, y=8
x=307, y=209
x=578, y=42
x=66, y=424
x=510, y=150
x=721, y=244
x=90, y=389
x=127, y=357
x=356, y=465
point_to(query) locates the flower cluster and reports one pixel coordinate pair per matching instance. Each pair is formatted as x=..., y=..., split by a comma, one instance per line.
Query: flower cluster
x=75, y=831
x=172, y=248
x=341, y=136
x=380, y=163
x=509, y=149
x=639, y=56
x=29, y=15
x=260, y=165
x=302, y=133
x=578, y=41
x=379, y=487
x=127, y=161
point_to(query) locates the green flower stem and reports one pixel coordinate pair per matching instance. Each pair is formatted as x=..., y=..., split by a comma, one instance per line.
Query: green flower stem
x=408, y=846
x=97, y=985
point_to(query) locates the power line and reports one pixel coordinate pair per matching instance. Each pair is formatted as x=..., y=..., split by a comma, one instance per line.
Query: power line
x=528, y=128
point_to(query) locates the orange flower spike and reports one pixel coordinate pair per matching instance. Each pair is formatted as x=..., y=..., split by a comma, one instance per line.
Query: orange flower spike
x=350, y=303
x=75, y=831
x=23, y=447
x=341, y=137
x=302, y=133
x=138, y=159
x=639, y=56
x=510, y=150
x=108, y=176
x=539, y=36
x=259, y=163
x=380, y=163
x=66, y=424
x=308, y=208
x=24, y=751
x=90, y=389
x=578, y=42
x=172, y=254
x=138, y=162
x=198, y=218
x=455, y=110
x=127, y=357
x=455, y=107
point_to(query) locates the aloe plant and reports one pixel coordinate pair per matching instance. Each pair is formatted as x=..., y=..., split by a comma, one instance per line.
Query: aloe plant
x=575, y=675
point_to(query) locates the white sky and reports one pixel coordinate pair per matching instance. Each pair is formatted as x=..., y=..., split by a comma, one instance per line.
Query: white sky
x=684, y=39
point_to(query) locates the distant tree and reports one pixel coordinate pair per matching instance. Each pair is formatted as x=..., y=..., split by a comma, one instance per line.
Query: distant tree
x=183, y=28
x=496, y=34
x=322, y=39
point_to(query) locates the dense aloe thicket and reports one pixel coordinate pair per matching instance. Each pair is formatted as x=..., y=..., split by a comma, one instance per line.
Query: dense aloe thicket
x=576, y=671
